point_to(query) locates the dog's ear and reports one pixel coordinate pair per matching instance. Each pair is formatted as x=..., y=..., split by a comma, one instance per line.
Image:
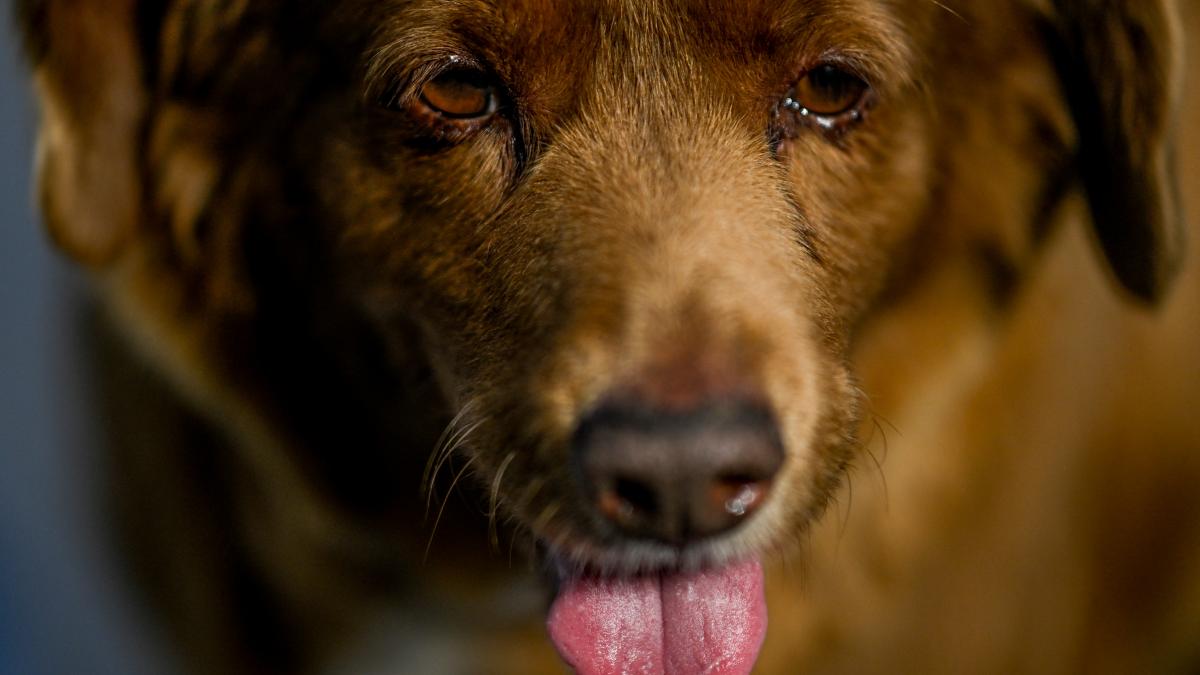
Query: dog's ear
x=1119, y=65
x=93, y=98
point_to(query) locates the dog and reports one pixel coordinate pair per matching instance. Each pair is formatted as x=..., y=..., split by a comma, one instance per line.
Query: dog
x=874, y=318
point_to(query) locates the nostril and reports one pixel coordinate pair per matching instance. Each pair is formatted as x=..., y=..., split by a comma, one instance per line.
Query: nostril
x=638, y=495
x=737, y=495
x=627, y=500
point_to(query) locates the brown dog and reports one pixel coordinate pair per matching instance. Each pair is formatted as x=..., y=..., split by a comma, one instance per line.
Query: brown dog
x=663, y=271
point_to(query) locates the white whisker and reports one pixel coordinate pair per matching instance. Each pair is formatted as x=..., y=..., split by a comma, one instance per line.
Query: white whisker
x=494, y=499
x=442, y=509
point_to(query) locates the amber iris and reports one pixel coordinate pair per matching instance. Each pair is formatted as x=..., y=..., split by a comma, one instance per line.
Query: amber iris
x=828, y=91
x=459, y=94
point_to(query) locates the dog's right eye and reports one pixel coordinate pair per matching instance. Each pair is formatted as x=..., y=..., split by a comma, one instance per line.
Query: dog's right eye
x=451, y=106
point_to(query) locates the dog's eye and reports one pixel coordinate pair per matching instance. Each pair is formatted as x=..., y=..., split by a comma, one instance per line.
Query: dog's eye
x=460, y=94
x=827, y=91
x=828, y=97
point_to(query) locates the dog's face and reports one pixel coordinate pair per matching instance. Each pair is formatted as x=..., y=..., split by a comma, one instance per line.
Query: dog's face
x=647, y=213
x=631, y=240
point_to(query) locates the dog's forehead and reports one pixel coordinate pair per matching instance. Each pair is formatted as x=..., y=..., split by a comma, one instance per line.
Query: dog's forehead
x=752, y=22
x=738, y=24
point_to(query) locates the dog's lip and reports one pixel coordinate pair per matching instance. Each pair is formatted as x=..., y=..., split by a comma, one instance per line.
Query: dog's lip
x=567, y=555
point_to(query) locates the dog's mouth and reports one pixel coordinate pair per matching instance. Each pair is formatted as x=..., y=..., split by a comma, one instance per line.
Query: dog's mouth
x=658, y=580
x=707, y=621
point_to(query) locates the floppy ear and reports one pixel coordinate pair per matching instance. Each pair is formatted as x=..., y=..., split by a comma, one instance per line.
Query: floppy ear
x=91, y=89
x=1119, y=65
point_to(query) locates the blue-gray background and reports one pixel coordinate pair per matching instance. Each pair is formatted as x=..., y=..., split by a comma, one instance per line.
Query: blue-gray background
x=64, y=606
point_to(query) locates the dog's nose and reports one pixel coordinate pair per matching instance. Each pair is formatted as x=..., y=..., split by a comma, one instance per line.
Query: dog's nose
x=677, y=475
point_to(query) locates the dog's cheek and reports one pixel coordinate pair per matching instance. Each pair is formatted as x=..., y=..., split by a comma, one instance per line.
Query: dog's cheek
x=869, y=203
x=407, y=224
x=865, y=199
x=818, y=408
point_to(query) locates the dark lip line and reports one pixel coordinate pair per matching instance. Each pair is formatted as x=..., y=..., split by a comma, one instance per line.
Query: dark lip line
x=558, y=562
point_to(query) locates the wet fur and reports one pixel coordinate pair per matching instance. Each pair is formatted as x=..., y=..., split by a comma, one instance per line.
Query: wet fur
x=328, y=289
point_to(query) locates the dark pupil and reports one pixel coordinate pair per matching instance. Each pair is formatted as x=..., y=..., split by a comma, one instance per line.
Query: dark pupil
x=834, y=85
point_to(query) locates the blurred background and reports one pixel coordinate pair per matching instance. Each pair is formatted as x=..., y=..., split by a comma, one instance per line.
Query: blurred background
x=64, y=606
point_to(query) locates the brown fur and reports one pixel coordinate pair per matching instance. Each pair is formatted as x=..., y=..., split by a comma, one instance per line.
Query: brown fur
x=328, y=287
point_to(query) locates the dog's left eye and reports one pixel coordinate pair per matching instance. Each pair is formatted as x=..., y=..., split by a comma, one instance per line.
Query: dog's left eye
x=459, y=94
x=827, y=91
x=828, y=97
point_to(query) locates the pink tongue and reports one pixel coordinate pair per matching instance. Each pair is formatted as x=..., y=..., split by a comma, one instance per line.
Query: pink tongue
x=679, y=624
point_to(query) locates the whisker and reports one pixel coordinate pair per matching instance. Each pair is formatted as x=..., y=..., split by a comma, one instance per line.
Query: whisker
x=442, y=443
x=442, y=509
x=457, y=442
x=879, y=465
x=444, y=452
x=871, y=409
x=451, y=427
x=893, y=427
x=494, y=500
x=878, y=421
x=849, y=503
x=512, y=542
